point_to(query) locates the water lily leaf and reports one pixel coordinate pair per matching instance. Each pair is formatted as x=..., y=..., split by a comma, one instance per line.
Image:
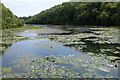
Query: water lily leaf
x=6, y=69
x=112, y=57
x=104, y=69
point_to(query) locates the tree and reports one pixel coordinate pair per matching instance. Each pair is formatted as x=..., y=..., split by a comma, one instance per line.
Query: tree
x=79, y=13
x=104, y=18
x=9, y=20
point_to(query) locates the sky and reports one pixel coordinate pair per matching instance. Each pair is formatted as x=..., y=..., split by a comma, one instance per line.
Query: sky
x=30, y=7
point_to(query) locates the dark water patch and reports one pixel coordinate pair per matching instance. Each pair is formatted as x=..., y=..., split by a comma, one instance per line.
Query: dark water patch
x=76, y=30
x=55, y=33
x=95, y=48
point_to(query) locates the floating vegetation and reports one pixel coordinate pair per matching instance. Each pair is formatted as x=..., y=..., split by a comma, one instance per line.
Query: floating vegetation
x=104, y=43
x=40, y=68
x=106, y=35
x=48, y=44
x=60, y=66
x=100, y=46
x=52, y=59
x=118, y=48
x=2, y=48
x=9, y=38
x=112, y=57
x=6, y=69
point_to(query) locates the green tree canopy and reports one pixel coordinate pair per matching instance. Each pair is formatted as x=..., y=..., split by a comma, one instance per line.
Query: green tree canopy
x=9, y=20
x=79, y=13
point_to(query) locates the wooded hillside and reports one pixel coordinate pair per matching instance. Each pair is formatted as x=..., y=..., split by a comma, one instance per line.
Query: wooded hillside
x=9, y=20
x=79, y=13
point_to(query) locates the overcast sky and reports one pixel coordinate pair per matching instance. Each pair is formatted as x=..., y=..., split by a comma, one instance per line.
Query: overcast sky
x=30, y=7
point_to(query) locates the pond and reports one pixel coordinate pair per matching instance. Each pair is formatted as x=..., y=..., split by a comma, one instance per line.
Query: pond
x=73, y=52
x=42, y=47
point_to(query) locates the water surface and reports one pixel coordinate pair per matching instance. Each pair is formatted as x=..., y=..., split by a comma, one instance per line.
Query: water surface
x=51, y=46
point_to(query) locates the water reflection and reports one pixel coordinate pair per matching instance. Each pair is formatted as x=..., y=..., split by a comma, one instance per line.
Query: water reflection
x=46, y=47
x=42, y=47
x=96, y=48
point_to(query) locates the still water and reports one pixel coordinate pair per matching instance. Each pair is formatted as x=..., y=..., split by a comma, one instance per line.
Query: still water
x=47, y=47
x=41, y=47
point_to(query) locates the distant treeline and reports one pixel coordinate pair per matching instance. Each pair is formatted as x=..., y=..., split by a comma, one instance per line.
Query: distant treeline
x=8, y=19
x=79, y=13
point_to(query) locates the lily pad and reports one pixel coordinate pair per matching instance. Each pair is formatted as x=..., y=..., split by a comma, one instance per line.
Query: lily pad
x=112, y=57
x=6, y=69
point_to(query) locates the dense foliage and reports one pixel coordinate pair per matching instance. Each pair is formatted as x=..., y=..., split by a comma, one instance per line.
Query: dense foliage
x=9, y=20
x=79, y=13
x=25, y=18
